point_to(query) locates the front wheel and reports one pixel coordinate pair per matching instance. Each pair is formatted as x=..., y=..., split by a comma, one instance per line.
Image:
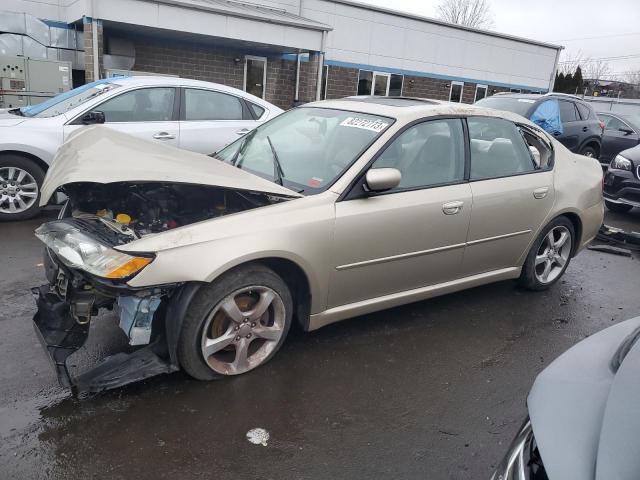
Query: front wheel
x=236, y=323
x=549, y=255
x=20, y=181
x=617, y=207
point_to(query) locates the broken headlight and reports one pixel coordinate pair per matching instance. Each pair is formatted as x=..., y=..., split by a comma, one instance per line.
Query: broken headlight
x=621, y=163
x=77, y=250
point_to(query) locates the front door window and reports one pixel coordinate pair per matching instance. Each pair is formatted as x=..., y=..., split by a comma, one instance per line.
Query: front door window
x=255, y=75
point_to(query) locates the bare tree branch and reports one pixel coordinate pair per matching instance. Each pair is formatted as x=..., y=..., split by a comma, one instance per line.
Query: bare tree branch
x=596, y=69
x=469, y=13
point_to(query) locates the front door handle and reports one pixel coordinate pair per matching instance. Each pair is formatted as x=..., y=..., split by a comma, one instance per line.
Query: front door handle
x=451, y=208
x=243, y=131
x=541, y=192
x=164, y=136
x=584, y=129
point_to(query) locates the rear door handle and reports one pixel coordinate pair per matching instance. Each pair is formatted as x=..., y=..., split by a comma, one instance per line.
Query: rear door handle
x=541, y=192
x=243, y=131
x=164, y=136
x=584, y=129
x=451, y=208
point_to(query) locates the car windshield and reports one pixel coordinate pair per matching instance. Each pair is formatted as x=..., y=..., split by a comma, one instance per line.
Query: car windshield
x=511, y=104
x=66, y=101
x=305, y=149
x=633, y=120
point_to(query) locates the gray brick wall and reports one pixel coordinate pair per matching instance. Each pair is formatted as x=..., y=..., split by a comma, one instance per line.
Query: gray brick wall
x=341, y=82
x=425, y=87
x=200, y=62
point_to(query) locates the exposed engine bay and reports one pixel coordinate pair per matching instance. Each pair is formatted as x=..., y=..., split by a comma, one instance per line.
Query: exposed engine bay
x=132, y=210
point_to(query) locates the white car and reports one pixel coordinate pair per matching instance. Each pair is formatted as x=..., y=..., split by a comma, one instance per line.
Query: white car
x=193, y=115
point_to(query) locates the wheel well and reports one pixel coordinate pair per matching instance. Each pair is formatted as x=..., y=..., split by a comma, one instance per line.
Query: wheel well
x=298, y=283
x=577, y=227
x=38, y=161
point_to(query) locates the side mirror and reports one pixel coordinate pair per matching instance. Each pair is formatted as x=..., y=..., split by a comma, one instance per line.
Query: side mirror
x=626, y=131
x=93, y=117
x=382, y=179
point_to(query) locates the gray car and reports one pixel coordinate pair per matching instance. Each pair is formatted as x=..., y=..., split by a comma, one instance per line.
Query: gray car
x=578, y=127
x=584, y=414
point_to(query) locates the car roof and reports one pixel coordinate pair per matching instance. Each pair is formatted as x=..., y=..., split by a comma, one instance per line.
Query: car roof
x=408, y=109
x=166, y=80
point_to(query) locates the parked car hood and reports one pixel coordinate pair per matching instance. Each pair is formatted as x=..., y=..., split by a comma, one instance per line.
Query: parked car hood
x=632, y=154
x=99, y=154
x=9, y=119
x=585, y=415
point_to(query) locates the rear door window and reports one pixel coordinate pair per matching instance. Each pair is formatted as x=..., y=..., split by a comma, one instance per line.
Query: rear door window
x=498, y=149
x=568, y=112
x=211, y=105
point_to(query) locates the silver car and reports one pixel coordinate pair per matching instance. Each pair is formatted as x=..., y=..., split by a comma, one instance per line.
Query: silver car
x=331, y=210
x=190, y=114
x=584, y=418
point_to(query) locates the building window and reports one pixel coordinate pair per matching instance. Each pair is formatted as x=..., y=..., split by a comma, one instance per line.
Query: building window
x=325, y=76
x=455, y=94
x=255, y=75
x=379, y=83
x=395, y=86
x=481, y=92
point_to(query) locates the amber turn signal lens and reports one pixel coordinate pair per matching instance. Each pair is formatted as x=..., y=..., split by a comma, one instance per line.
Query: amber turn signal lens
x=129, y=268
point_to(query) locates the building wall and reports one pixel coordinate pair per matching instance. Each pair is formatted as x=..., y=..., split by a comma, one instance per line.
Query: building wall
x=365, y=38
x=205, y=62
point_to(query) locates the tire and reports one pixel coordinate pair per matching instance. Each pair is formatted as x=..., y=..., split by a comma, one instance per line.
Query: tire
x=617, y=207
x=206, y=319
x=532, y=276
x=19, y=175
x=589, y=151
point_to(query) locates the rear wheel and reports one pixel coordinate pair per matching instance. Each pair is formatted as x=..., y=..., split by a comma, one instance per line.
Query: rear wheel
x=20, y=181
x=618, y=207
x=589, y=151
x=235, y=324
x=549, y=255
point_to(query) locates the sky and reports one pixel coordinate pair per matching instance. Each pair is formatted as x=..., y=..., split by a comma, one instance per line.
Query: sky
x=586, y=28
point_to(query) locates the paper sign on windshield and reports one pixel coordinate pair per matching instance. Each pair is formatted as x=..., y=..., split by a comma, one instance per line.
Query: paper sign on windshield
x=364, y=123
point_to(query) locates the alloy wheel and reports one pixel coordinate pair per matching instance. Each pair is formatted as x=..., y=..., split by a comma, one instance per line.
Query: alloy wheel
x=553, y=254
x=18, y=190
x=243, y=330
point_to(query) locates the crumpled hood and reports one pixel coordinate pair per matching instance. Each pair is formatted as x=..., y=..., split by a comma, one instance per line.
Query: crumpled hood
x=585, y=416
x=101, y=155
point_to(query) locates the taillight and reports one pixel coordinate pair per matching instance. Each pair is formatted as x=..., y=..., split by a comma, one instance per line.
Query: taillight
x=601, y=125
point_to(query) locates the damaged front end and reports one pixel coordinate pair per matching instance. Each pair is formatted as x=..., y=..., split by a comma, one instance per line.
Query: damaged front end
x=88, y=273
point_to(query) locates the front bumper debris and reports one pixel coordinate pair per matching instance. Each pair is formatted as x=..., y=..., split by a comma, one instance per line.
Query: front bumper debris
x=619, y=237
x=62, y=335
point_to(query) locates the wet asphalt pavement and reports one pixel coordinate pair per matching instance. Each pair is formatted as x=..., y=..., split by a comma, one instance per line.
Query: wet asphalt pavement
x=432, y=390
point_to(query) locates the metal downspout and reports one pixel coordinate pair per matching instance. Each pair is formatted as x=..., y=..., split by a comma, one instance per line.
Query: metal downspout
x=297, y=95
x=321, y=64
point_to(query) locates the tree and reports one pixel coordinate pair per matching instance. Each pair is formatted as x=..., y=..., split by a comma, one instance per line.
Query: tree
x=578, y=82
x=469, y=13
x=596, y=69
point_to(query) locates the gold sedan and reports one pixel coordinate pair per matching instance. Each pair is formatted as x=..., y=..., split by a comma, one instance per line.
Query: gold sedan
x=330, y=210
